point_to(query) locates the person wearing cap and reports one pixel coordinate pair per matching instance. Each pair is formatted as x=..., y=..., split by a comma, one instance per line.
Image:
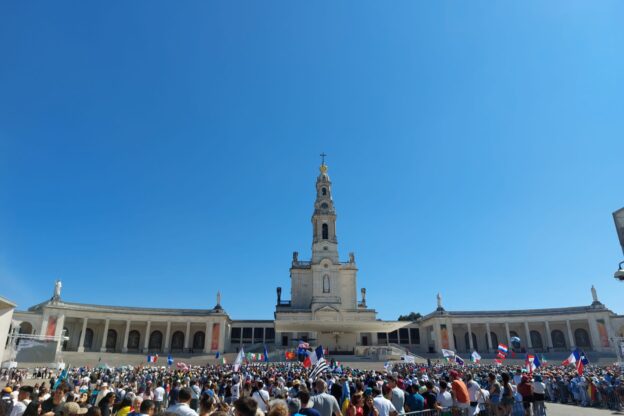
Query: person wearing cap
x=72, y=409
x=23, y=399
x=6, y=401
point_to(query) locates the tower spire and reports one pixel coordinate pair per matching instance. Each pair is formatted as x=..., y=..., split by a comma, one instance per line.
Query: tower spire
x=324, y=241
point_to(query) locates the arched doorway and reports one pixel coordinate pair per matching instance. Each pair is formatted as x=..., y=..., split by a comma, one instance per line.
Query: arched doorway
x=198, y=340
x=177, y=341
x=581, y=338
x=155, y=341
x=26, y=328
x=475, y=346
x=88, y=339
x=133, y=340
x=536, y=340
x=494, y=339
x=111, y=339
x=558, y=339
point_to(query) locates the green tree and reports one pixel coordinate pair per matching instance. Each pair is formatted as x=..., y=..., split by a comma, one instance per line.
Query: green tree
x=413, y=316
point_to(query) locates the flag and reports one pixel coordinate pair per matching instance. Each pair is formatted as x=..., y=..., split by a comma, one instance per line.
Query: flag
x=475, y=357
x=529, y=362
x=573, y=358
x=581, y=363
x=500, y=355
x=458, y=360
x=304, y=345
x=544, y=362
x=169, y=360
x=388, y=366
x=266, y=354
x=503, y=348
x=498, y=361
x=290, y=355
x=152, y=358
x=217, y=355
x=320, y=367
x=60, y=378
x=239, y=360
x=448, y=353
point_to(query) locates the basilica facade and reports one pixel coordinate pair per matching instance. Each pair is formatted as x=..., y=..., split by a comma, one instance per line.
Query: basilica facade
x=324, y=308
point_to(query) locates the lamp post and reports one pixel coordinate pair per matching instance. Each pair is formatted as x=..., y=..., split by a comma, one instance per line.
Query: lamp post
x=619, y=274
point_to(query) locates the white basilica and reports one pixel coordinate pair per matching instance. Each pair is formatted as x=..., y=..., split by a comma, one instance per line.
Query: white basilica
x=323, y=308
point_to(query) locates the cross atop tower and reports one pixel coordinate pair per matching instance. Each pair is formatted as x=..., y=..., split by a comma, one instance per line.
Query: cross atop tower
x=323, y=158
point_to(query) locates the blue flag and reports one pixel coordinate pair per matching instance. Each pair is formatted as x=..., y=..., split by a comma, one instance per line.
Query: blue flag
x=170, y=360
x=458, y=360
x=60, y=379
x=266, y=354
x=217, y=354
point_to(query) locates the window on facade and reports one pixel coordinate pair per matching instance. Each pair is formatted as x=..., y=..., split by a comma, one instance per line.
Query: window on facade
x=403, y=336
x=558, y=339
x=247, y=335
x=324, y=191
x=393, y=337
x=198, y=340
x=155, y=341
x=536, y=340
x=258, y=334
x=177, y=341
x=581, y=338
x=325, y=232
x=415, y=335
x=236, y=335
x=326, y=284
x=269, y=334
x=111, y=339
x=382, y=338
x=133, y=339
x=88, y=339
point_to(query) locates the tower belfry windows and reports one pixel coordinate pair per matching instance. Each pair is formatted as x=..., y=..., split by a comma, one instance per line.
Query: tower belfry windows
x=324, y=191
x=325, y=232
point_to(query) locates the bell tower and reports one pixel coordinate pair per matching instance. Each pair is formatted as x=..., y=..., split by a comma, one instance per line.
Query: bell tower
x=324, y=241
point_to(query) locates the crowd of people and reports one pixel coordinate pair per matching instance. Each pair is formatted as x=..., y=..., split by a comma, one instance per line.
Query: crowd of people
x=286, y=389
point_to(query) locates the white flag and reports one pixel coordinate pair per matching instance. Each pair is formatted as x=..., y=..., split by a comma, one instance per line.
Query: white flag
x=476, y=357
x=448, y=353
x=239, y=360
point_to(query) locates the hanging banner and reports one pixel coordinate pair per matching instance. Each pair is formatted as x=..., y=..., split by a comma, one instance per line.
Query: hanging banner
x=51, y=329
x=444, y=340
x=214, y=345
x=602, y=332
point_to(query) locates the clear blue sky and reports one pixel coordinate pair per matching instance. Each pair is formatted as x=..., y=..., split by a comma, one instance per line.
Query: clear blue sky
x=154, y=152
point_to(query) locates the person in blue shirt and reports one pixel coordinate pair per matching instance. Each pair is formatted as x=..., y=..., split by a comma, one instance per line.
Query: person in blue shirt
x=413, y=400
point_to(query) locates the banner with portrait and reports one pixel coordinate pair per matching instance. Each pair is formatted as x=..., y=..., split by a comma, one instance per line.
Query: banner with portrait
x=444, y=339
x=216, y=329
x=602, y=333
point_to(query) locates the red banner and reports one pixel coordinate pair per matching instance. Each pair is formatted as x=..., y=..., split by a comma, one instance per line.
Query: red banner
x=214, y=345
x=51, y=330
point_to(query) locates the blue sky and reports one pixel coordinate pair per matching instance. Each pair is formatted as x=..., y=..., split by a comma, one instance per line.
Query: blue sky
x=152, y=153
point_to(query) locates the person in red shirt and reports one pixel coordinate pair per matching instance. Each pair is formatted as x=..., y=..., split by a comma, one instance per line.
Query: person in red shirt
x=459, y=390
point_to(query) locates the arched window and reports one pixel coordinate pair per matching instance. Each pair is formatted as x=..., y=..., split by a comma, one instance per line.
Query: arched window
x=177, y=341
x=155, y=341
x=494, y=339
x=324, y=205
x=536, y=340
x=198, y=340
x=133, y=340
x=325, y=231
x=475, y=346
x=558, y=339
x=88, y=339
x=324, y=191
x=326, y=284
x=25, y=328
x=111, y=339
x=65, y=333
x=581, y=338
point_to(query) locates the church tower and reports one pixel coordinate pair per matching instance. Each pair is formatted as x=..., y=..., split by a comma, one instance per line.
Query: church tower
x=324, y=241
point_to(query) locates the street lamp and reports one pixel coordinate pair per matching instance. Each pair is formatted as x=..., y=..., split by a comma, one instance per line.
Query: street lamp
x=619, y=274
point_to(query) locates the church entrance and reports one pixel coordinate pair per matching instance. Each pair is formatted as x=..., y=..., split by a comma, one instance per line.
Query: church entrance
x=338, y=343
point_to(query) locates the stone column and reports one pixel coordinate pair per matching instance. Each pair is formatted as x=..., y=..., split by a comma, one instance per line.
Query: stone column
x=489, y=336
x=105, y=336
x=148, y=328
x=167, y=346
x=438, y=335
x=549, y=343
x=222, y=336
x=508, y=335
x=570, y=336
x=208, y=338
x=470, y=344
x=595, y=336
x=60, y=323
x=527, y=332
x=82, y=335
x=375, y=340
x=187, y=336
x=449, y=331
x=124, y=347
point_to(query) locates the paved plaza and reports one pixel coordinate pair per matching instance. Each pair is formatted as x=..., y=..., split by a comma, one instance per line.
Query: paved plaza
x=554, y=409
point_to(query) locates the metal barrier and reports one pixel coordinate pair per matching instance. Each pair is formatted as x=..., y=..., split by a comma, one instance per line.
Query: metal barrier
x=453, y=411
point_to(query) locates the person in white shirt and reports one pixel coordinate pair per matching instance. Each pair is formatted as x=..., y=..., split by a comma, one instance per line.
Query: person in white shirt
x=383, y=405
x=182, y=408
x=261, y=396
x=23, y=399
x=159, y=397
x=445, y=399
x=398, y=395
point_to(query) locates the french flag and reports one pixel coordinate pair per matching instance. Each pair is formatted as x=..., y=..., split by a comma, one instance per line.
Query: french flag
x=313, y=357
x=532, y=362
x=573, y=358
x=152, y=358
x=503, y=348
x=581, y=363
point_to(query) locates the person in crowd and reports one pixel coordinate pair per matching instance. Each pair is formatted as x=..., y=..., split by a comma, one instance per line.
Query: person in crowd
x=182, y=408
